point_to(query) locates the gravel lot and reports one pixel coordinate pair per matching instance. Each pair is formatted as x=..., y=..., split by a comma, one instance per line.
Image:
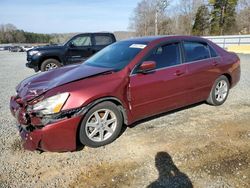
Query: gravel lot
x=199, y=146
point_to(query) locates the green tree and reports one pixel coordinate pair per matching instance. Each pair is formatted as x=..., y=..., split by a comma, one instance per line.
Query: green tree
x=201, y=23
x=223, y=16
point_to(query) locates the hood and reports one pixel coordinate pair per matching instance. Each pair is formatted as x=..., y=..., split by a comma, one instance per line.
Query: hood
x=37, y=84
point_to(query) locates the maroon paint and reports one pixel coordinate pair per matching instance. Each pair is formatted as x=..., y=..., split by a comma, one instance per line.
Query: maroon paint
x=141, y=95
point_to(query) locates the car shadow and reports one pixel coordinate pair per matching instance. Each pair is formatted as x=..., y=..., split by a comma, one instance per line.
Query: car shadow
x=164, y=114
x=124, y=128
x=169, y=175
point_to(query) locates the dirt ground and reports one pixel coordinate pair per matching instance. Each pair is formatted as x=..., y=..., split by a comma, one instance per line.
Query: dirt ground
x=197, y=146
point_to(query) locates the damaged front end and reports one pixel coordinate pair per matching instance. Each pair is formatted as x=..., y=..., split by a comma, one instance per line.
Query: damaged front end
x=47, y=129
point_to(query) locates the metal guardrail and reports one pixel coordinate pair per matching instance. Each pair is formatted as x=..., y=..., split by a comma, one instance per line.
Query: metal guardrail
x=228, y=40
x=222, y=41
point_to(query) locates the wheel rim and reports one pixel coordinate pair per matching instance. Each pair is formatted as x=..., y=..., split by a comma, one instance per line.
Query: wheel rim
x=221, y=90
x=50, y=66
x=101, y=125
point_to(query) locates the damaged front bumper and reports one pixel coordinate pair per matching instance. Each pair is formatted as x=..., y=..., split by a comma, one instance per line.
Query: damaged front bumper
x=51, y=133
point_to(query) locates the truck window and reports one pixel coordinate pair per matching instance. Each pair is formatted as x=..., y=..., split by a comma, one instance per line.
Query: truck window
x=82, y=41
x=103, y=40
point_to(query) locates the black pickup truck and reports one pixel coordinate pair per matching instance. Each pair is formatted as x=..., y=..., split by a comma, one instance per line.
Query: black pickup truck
x=75, y=50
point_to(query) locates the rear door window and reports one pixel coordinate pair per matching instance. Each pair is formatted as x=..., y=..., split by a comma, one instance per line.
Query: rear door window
x=195, y=51
x=103, y=40
x=212, y=52
x=166, y=55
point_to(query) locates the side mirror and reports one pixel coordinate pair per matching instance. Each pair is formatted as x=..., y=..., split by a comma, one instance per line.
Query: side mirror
x=147, y=66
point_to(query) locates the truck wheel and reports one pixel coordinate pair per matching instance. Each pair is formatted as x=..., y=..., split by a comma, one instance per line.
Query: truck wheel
x=49, y=64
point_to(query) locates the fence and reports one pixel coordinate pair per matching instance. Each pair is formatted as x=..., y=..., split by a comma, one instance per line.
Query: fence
x=229, y=40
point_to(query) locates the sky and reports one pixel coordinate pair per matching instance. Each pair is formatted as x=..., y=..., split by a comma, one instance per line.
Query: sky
x=64, y=16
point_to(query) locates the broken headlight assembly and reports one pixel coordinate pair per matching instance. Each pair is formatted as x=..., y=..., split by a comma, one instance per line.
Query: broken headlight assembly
x=51, y=105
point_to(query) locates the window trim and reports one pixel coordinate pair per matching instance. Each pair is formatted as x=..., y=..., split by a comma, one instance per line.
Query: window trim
x=182, y=54
x=155, y=47
x=217, y=55
x=195, y=41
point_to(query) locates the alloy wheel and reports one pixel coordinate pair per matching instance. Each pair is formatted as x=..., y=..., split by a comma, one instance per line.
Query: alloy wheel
x=101, y=125
x=50, y=66
x=221, y=90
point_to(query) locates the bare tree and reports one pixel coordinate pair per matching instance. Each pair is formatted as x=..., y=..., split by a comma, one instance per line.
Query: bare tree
x=148, y=17
x=7, y=27
x=243, y=17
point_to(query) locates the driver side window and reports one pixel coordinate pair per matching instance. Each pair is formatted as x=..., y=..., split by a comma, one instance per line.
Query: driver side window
x=166, y=55
x=81, y=41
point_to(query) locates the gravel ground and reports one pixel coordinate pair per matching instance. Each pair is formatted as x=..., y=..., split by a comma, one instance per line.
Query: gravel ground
x=198, y=146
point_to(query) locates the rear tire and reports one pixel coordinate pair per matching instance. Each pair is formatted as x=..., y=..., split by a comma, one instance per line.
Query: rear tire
x=219, y=92
x=101, y=125
x=50, y=64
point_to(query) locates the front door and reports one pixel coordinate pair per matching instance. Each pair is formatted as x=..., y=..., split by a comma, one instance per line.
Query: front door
x=162, y=89
x=79, y=49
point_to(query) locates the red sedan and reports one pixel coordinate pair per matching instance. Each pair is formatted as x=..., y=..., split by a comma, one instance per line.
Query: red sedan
x=125, y=82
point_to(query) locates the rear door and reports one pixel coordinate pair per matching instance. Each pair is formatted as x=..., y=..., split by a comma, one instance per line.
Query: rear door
x=162, y=89
x=79, y=49
x=201, y=64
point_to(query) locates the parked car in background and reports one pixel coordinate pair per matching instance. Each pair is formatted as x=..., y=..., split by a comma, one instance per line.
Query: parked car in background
x=76, y=50
x=26, y=48
x=3, y=48
x=123, y=83
x=16, y=49
x=7, y=48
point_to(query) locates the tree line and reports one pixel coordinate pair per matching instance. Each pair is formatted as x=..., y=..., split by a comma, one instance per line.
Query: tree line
x=196, y=17
x=163, y=17
x=10, y=34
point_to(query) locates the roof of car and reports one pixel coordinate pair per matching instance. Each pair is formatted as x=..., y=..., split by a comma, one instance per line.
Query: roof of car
x=148, y=39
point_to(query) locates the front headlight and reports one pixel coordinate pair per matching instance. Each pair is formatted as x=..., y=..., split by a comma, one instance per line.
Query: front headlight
x=33, y=52
x=51, y=105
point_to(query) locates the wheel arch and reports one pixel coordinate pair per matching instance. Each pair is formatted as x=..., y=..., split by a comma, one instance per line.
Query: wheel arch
x=229, y=77
x=114, y=100
x=49, y=57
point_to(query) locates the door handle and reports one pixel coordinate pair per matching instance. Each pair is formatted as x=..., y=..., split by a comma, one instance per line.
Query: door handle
x=179, y=73
x=215, y=63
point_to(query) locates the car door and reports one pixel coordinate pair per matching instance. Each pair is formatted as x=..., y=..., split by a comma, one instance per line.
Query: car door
x=79, y=49
x=162, y=89
x=101, y=41
x=201, y=70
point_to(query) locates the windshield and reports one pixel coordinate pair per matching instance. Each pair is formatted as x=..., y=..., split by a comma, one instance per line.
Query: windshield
x=65, y=39
x=116, y=56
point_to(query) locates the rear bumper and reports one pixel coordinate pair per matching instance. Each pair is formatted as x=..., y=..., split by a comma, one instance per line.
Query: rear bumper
x=58, y=136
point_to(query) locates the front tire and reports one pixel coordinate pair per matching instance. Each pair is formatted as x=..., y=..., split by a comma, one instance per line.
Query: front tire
x=101, y=125
x=50, y=64
x=219, y=92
